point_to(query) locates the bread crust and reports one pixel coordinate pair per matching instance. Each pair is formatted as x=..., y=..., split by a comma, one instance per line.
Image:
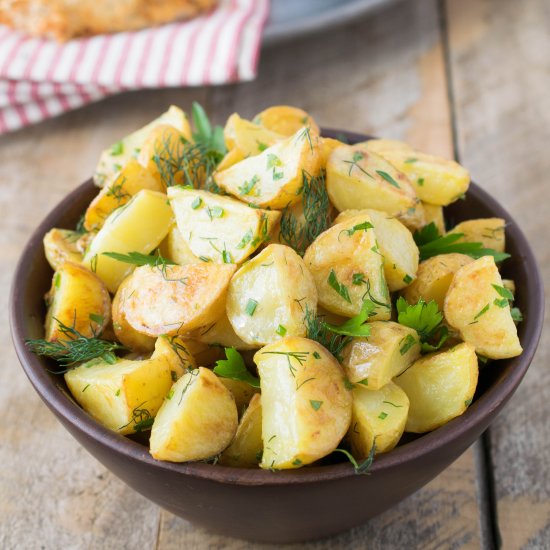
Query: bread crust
x=66, y=19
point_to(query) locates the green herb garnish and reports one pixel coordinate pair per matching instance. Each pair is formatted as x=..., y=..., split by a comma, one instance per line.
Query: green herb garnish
x=233, y=367
x=340, y=288
x=363, y=467
x=388, y=178
x=251, y=306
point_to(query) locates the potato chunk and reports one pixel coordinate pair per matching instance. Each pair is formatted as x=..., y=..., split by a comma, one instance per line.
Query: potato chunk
x=116, y=156
x=175, y=248
x=268, y=296
x=306, y=408
x=274, y=177
x=132, y=178
x=348, y=268
x=434, y=214
x=477, y=307
x=221, y=333
x=379, y=418
x=248, y=138
x=60, y=246
x=79, y=300
x=197, y=422
x=436, y=180
x=440, y=386
x=138, y=226
x=487, y=231
x=285, y=120
x=242, y=392
x=395, y=243
x=220, y=229
x=386, y=353
x=245, y=450
x=176, y=299
x=124, y=396
x=357, y=178
x=433, y=278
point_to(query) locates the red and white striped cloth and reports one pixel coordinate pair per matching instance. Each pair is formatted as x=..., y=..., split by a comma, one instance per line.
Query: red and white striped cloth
x=40, y=78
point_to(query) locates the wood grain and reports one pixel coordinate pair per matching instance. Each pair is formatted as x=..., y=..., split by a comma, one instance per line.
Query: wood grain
x=501, y=75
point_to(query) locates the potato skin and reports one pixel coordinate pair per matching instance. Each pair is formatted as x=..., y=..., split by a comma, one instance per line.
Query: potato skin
x=175, y=248
x=490, y=232
x=176, y=299
x=78, y=299
x=60, y=246
x=306, y=407
x=349, y=253
x=440, y=386
x=246, y=139
x=475, y=308
x=221, y=333
x=197, y=422
x=434, y=214
x=285, y=120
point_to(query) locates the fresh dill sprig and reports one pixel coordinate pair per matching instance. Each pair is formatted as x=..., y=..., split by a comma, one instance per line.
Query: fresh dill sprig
x=316, y=209
x=363, y=467
x=320, y=332
x=74, y=347
x=141, y=418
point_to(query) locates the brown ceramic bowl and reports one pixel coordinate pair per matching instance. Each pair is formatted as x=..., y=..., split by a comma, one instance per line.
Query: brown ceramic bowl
x=298, y=505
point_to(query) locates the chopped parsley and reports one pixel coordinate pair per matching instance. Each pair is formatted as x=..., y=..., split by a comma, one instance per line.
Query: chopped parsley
x=340, y=288
x=251, y=306
x=233, y=367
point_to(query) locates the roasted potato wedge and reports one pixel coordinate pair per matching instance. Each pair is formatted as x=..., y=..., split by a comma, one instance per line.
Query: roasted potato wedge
x=306, y=407
x=347, y=268
x=242, y=392
x=433, y=278
x=175, y=248
x=436, y=180
x=138, y=226
x=220, y=229
x=79, y=300
x=268, y=296
x=273, y=178
x=395, y=243
x=125, y=395
x=221, y=333
x=378, y=418
x=248, y=138
x=115, y=157
x=487, y=231
x=176, y=299
x=476, y=305
x=387, y=352
x=198, y=421
x=285, y=120
x=246, y=448
x=440, y=386
x=434, y=213
x=60, y=246
x=132, y=178
x=205, y=354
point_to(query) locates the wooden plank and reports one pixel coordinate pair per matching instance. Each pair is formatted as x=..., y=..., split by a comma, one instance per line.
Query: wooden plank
x=500, y=69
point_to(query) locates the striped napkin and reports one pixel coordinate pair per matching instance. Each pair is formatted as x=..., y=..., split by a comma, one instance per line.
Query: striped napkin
x=41, y=78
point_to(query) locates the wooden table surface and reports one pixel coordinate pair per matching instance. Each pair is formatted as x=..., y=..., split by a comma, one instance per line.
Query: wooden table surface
x=463, y=77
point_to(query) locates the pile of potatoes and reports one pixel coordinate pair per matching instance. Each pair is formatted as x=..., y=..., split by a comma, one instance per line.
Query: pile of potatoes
x=230, y=282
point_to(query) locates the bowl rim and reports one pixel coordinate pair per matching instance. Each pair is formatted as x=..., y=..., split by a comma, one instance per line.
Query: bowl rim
x=58, y=401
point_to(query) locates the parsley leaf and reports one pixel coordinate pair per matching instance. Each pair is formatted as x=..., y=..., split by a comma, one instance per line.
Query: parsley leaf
x=338, y=287
x=354, y=326
x=234, y=368
x=136, y=258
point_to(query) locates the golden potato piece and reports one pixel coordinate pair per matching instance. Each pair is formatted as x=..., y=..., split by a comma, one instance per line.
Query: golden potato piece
x=440, y=386
x=436, y=180
x=124, y=396
x=348, y=268
x=205, y=354
x=269, y=296
x=306, y=407
x=245, y=450
x=197, y=422
x=242, y=392
x=132, y=178
x=476, y=305
x=138, y=226
x=176, y=299
x=274, y=177
x=175, y=248
x=434, y=213
x=487, y=231
x=79, y=300
x=433, y=278
x=115, y=157
x=379, y=418
x=395, y=243
x=386, y=353
x=285, y=120
x=327, y=146
x=359, y=179
x=248, y=138
x=220, y=229
x=221, y=333
x=60, y=246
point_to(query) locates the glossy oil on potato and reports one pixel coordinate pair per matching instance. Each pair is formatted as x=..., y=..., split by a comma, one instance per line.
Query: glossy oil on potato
x=176, y=299
x=268, y=296
x=197, y=421
x=378, y=418
x=79, y=300
x=221, y=229
x=285, y=120
x=386, y=353
x=60, y=246
x=306, y=406
x=347, y=268
x=475, y=308
x=440, y=386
